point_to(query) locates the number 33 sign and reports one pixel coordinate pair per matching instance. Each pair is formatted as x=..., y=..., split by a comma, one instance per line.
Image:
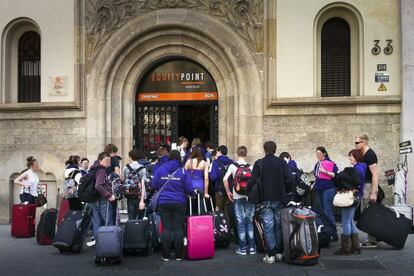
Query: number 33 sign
x=376, y=50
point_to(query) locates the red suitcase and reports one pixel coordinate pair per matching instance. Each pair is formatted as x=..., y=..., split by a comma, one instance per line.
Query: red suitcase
x=63, y=210
x=200, y=235
x=23, y=220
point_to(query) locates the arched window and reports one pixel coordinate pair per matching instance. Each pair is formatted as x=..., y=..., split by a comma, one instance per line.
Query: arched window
x=335, y=58
x=29, y=68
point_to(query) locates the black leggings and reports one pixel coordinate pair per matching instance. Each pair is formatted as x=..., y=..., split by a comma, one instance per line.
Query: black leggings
x=172, y=217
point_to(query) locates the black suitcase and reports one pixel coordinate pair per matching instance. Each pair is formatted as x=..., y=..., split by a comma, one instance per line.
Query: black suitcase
x=259, y=233
x=72, y=232
x=222, y=233
x=385, y=224
x=137, y=236
x=45, y=232
x=156, y=229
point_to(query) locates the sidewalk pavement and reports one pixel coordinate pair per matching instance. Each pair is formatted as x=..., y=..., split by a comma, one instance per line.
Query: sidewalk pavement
x=25, y=257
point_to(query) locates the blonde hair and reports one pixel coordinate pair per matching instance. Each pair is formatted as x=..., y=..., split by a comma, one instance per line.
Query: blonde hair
x=363, y=137
x=196, y=141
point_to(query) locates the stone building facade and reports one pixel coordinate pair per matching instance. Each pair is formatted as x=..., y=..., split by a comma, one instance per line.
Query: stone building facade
x=264, y=56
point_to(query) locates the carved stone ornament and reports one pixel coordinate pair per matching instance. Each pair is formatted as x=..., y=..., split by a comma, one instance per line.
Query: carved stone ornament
x=103, y=17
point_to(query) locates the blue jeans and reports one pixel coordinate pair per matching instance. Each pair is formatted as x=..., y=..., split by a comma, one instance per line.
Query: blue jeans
x=348, y=222
x=326, y=201
x=102, y=214
x=244, y=214
x=270, y=215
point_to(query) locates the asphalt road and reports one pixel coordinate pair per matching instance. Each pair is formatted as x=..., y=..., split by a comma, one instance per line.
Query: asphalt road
x=26, y=257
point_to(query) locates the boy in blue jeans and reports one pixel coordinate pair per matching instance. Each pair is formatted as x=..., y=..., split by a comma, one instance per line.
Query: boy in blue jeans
x=241, y=172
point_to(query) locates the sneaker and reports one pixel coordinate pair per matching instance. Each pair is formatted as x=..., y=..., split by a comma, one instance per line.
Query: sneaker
x=369, y=244
x=91, y=243
x=279, y=257
x=269, y=260
x=252, y=251
x=165, y=259
x=241, y=251
x=178, y=259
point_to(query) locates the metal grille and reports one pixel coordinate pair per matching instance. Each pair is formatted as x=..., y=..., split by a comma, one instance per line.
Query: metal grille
x=29, y=68
x=335, y=58
x=156, y=125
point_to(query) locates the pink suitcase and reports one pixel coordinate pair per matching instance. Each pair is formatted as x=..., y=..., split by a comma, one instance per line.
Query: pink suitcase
x=326, y=165
x=200, y=235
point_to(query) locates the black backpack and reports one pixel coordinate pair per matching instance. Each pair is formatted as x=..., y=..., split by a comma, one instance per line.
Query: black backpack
x=219, y=182
x=86, y=190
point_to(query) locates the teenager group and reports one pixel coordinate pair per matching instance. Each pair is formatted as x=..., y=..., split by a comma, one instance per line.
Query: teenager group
x=198, y=169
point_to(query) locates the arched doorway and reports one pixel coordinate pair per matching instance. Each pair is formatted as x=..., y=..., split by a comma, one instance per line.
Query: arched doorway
x=176, y=97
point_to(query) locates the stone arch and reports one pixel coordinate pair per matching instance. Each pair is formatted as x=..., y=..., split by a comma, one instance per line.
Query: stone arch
x=52, y=174
x=355, y=21
x=167, y=33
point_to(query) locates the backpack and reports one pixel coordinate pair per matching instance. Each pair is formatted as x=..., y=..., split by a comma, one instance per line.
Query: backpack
x=132, y=183
x=118, y=189
x=86, y=189
x=149, y=176
x=219, y=182
x=302, y=183
x=242, y=175
x=70, y=187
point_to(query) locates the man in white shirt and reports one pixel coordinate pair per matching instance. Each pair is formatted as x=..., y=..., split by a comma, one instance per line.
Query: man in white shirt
x=244, y=211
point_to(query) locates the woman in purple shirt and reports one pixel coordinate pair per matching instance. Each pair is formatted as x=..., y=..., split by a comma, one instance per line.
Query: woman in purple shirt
x=349, y=238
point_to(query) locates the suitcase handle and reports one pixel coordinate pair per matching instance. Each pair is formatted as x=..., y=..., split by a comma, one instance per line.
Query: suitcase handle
x=198, y=204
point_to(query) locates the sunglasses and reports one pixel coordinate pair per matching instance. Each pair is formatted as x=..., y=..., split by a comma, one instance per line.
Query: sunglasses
x=357, y=143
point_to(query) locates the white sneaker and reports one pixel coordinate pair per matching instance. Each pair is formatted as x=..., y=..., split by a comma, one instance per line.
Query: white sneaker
x=91, y=243
x=269, y=260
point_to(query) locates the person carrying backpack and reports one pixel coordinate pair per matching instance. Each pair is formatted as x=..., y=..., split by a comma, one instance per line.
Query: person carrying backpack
x=102, y=207
x=134, y=184
x=218, y=170
x=72, y=179
x=241, y=172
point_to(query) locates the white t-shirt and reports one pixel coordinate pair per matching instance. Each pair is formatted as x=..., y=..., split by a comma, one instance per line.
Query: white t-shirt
x=232, y=171
x=33, y=180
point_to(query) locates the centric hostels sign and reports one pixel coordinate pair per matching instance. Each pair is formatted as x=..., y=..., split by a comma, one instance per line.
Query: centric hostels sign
x=177, y=80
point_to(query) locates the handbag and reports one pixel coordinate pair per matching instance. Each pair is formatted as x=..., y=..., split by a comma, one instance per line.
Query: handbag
x=41, y=200
x=155, y=198
x=344, y=199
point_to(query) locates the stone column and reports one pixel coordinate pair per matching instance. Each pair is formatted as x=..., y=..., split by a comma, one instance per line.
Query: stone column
x=407, y=109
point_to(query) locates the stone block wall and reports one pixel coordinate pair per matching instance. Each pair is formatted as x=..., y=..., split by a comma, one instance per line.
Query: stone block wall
x=300, y=135
x=50, y=141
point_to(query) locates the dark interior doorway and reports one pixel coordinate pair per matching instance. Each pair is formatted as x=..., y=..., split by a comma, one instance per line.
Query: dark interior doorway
x=194, y=121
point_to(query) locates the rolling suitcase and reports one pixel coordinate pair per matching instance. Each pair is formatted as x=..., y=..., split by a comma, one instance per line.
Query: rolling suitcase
x=156, y=230
x=71, y=233
x=63, y=210
x=108, y=247
x=200, y=235
x=300, y=239
x=259, y=233
x=23, y=220
x=46, y=228
x=385, y=224
x=137, y=236
x=222, y=234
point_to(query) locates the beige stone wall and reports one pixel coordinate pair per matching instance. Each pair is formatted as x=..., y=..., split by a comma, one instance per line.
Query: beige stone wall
x=55, y=21
x=50, y=141
x=300, y=135
x=296, y=43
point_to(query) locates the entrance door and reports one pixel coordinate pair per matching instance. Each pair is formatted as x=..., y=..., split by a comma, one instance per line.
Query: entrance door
x=176, y=98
